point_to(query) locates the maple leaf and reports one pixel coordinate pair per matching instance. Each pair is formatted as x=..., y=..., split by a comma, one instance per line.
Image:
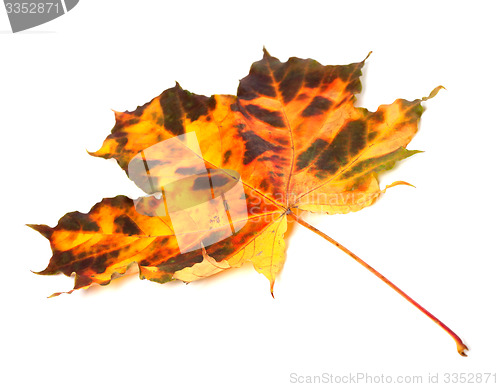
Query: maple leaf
x=229, y=172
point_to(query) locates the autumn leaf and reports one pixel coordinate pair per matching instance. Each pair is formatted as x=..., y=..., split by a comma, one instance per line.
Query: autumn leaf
x=225, y=174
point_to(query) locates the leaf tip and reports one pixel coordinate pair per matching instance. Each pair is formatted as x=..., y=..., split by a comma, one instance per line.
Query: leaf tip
x=266, y=53
x=410, y=153
x=398, y=183
x=433, y=93
x=118, y=115
x=46, y=271
x=99, y=153
x=43, y=229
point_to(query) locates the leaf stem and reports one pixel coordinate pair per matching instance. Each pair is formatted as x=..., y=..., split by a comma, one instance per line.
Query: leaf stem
x=461, y=347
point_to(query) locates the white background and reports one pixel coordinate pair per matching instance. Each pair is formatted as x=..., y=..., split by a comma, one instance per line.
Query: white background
x=439, y=242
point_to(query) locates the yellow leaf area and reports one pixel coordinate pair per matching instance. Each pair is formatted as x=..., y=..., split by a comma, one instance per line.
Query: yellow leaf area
x=225, y=173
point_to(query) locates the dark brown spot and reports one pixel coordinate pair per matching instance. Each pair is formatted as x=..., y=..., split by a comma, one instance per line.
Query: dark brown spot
x=82, y=281
x=140, y=110
x=317, y=106
x=273, y=118
x=81, y=265
x=99, y=264
x=76, y=221
x=349, y=141
x=378, y=116
x=349, y=71
x=264, y=184
x=65, y=257
x=193, y=105
x=258, y=82
x=172, y=112
x=357, y=131
x=125, y=225
x=310, y=153
x=255, y=146
x=354, y=86
x=292, y=82
x=122, y=141
x=314, y=74
x=227, y=155
x=211, y=103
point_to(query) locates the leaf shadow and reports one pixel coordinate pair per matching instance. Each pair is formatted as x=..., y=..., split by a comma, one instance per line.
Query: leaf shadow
x=360, y=97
